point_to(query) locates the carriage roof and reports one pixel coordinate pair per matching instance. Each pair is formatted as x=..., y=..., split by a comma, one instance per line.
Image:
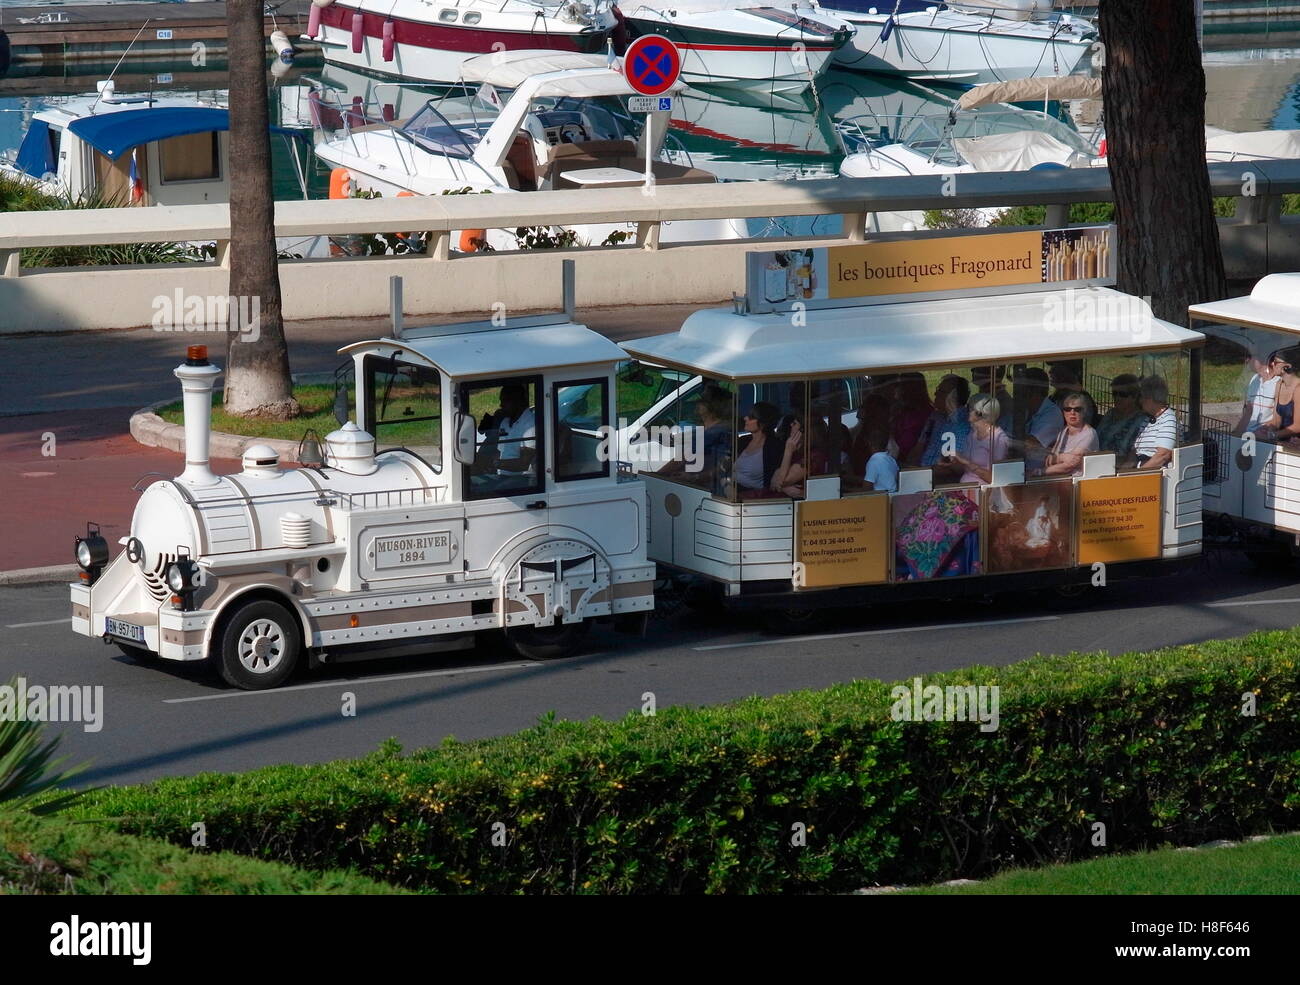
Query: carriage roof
x=487, y=350
x=1273, y=303
x=907, y=335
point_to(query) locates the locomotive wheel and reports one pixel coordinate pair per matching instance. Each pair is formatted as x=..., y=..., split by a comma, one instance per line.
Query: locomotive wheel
x=259, y=646
x=546, y=642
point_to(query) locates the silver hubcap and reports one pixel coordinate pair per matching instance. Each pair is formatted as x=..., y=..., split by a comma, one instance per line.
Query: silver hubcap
x=261, y=646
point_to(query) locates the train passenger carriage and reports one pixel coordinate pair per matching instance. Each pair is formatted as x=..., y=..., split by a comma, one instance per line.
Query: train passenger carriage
x=1254, y=496
x=808, y=519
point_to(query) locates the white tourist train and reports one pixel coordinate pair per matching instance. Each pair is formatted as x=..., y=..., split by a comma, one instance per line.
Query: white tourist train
x=483, y=478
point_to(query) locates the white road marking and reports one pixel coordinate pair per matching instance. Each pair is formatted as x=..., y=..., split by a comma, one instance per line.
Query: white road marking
x=1226, y=605
x=874, y=632
x=352, y=683
x=47, y=622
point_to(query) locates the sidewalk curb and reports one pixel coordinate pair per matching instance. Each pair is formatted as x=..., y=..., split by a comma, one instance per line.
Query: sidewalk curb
x=49, y=574
x=147, y=428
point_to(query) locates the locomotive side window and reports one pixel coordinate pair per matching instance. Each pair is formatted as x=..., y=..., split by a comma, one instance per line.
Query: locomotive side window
x=405, y=407
x=581, y=423
x=510, y=453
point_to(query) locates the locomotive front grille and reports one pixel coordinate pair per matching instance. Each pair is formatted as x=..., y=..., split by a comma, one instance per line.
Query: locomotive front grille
x=156, y=579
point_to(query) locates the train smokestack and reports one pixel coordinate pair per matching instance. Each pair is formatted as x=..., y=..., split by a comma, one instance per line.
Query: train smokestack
x=197, y=377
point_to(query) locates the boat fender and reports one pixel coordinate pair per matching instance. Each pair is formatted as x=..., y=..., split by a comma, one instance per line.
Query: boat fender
x=340, y=183
x=358, y=38
x=888, y=28
x=313, y=21
x=1101, y=151
x=281, y=45
x=405, y=194
x=467, y=237
x=389, y=29
x=389, y=113
x=619, y=34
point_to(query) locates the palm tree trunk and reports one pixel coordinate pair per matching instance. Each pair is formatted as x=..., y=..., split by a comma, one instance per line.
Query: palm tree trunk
x=1154, y=90
x=257, y=358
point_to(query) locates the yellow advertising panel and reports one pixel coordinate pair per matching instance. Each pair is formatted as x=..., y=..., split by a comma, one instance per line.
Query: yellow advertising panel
x=1119, y=518
x=944, y=264
x=842, y=542
x=931, y=265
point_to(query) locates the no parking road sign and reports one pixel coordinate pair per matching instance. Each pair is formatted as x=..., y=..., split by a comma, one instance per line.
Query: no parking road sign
x=652, y=65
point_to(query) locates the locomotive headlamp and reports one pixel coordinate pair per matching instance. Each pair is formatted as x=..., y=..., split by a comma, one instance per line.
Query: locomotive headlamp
x=183, y=576
x=92, y=552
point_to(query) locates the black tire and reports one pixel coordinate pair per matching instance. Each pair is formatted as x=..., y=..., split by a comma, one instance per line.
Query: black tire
x=1066, y=598
x=793, y=622
x=546, y=642
x=258, y=646
x=138, y=653
x=1272, y=561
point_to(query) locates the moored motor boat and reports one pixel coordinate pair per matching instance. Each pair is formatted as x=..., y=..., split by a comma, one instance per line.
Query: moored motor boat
x=553, y=132
x=980, y=41
x=740, y=43
x=428, y=41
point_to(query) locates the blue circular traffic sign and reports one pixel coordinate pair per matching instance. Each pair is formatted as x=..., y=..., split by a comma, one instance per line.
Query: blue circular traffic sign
x=652, y=64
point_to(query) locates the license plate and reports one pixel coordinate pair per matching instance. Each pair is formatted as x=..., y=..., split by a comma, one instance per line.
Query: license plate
x=126, y=630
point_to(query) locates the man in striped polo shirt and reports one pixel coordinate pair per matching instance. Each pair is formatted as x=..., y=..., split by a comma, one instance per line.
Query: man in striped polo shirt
x=1155, y=443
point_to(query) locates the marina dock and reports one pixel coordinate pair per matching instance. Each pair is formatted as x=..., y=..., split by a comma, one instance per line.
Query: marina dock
x=54, y=35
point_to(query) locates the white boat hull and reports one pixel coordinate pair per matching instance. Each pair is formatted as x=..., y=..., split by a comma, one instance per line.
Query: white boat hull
x=960, y=49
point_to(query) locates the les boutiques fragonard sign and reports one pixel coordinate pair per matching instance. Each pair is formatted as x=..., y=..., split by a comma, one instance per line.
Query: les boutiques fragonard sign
x=937, y=265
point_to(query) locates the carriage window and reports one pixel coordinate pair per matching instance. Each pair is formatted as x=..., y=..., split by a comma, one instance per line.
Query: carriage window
x=582, y=446
x=510, y=453
x=405, y=407
x=692, y=438
x=193, y=157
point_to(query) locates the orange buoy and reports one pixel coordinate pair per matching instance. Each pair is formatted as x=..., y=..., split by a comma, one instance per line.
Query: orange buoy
x=467, y=237
x=340, y=183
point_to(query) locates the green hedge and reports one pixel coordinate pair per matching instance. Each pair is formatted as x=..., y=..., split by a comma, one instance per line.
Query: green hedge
x=58, y=856
x=1153, y=745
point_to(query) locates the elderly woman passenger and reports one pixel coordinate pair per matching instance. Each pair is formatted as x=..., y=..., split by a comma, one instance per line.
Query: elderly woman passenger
x=987, y=442
x=1076, y=439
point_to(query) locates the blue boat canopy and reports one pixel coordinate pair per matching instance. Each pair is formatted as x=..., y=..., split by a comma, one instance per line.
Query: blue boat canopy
x=113, y=134
x=36, y=155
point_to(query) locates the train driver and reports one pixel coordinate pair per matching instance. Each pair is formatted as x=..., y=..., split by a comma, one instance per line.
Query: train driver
x=515, y=427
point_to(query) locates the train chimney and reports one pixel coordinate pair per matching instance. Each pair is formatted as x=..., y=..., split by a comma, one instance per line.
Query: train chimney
x=197, y=377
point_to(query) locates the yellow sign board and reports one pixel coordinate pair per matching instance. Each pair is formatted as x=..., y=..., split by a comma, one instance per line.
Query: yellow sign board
x=842, y=542
x=1119, y=518
x=932, y=264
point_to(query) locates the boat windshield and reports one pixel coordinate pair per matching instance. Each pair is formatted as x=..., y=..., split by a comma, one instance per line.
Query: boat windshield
x=432, y=131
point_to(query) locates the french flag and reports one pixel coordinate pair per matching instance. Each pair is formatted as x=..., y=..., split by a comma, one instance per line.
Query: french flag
x=137, y=184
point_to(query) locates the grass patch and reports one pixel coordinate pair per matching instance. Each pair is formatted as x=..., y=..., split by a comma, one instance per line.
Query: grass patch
x=1257, y=867
x=316, y=399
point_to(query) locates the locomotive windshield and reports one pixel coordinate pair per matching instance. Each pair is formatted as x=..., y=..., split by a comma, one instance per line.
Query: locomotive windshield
x=405, y=407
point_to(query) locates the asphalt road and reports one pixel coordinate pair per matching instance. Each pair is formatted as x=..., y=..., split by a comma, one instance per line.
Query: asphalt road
x=173, y=720
x=87, y=370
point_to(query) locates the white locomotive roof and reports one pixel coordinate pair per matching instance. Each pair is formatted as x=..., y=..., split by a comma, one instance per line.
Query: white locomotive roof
x=1274, y=303
x=494, y=351
x=913, y=334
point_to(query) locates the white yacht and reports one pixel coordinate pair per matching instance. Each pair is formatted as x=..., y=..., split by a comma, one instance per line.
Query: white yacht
x=970, y=42
x=558, y=129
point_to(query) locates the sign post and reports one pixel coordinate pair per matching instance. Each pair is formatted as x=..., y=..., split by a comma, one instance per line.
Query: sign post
x=651, y=66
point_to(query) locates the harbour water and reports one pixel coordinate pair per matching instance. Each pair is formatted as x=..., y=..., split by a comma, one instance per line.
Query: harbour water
x=1250, y=87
